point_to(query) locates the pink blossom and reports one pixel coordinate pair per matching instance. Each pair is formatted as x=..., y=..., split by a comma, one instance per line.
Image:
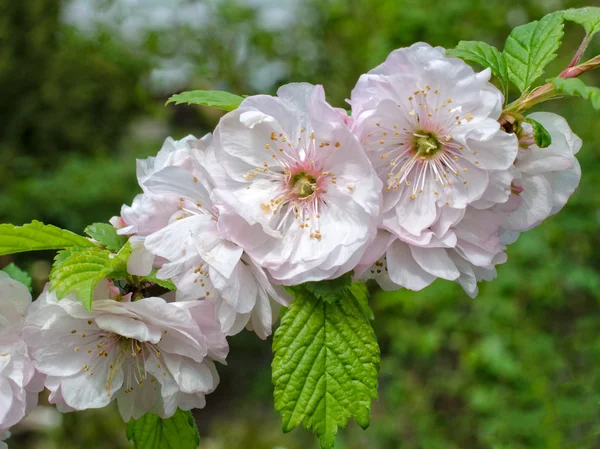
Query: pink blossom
x=296, y=191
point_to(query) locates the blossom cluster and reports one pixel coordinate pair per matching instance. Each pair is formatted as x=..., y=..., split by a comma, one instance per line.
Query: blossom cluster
x=419, y=181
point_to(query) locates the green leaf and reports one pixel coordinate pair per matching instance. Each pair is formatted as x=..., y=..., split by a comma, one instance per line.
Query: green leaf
x=360, y=291
x=331, y=290
x=214, y=98
x=588, y=17
x=37, y=236
x=325, y=365
x=164, y=283
x=577, y=88
x=540, y=134
x=79, y=270
x=529, y=48
x=152, y=432
x=486, y=56
x=106, y=235
x=18, y=275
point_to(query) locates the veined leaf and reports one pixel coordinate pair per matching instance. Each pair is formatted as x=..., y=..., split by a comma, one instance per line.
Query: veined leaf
x=162, y=282
x=486, y=56
x=588, y=17
x=80, y=270
x=214, y=98
x=18, y=275
x=106, y=235
x=576, y=87
x=37, y=236
x=540, y=134
x=152, y=432
x=330, y=290
x=529, y=48
x=325, y=365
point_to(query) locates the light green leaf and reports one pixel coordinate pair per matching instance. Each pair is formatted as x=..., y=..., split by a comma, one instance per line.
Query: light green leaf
x=152, y=432
x=79, y=270
x=540, y=134
x=576, y=87
x=106, y=235
x=325, y=365
x=37, y=236
x=214, y=98
x=164, y=283
x=18, y=275
x=360, y=292
x=529, y=48
x=588, y=17
x=486, y=56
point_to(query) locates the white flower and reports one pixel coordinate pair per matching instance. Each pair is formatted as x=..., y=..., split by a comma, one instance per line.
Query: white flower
x=298, y=193
x=19, y=384
x=464, y=247
x=149, y=355
x=545, y=177
x=202, y=264
x=429, y=125
x=148, y=213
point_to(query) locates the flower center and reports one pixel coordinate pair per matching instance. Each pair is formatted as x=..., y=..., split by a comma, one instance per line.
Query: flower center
x=426, y=143
x=303, y=185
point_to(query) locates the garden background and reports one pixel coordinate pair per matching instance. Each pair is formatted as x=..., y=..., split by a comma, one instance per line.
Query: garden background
x=82, y=90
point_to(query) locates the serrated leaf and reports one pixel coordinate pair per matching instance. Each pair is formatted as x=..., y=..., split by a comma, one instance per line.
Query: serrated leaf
x=486, y=56
x=540, y=134
x=37, y=236
x=213, y=98
x=152, y=432
x=80, y=270
x=164, y=283
x=529, y=48
x=588, y=17
x=325, y=365
x=360, y=291
x=18, y=275
x=106, y=235
x=576, y=87
x=331, y=290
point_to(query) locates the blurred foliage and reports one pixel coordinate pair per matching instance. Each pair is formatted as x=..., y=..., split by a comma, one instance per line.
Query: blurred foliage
x=515, y=368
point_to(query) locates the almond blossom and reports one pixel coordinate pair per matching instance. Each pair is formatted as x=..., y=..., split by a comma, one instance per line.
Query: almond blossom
x=150, y=355
x=19, y=382
x=429, y=125
x=149, y=213
x=545, y=177
x=297, y=193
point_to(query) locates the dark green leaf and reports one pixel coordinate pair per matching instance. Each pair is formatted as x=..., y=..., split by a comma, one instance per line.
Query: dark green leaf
x=162, y=282
x=540, y=134
x=106, y=235
x=18, y=275
x=360, y=291
x=37, y=236
x=214, y=98
x=152, y=432
x=529, y=48
x=331, y=290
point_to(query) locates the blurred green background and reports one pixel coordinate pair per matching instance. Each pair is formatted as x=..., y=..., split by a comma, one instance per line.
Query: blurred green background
x=82, y=91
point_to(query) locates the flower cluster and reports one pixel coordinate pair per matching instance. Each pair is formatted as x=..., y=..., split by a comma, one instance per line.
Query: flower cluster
x=419, y=182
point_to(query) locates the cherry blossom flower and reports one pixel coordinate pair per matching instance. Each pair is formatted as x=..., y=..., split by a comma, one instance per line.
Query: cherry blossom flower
x=545, y=177
x=148, y=212
x=203, y=264
x=464, y=248
x=150, y=355
x=429, y=125
x=19, y=382
x=298, y=193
